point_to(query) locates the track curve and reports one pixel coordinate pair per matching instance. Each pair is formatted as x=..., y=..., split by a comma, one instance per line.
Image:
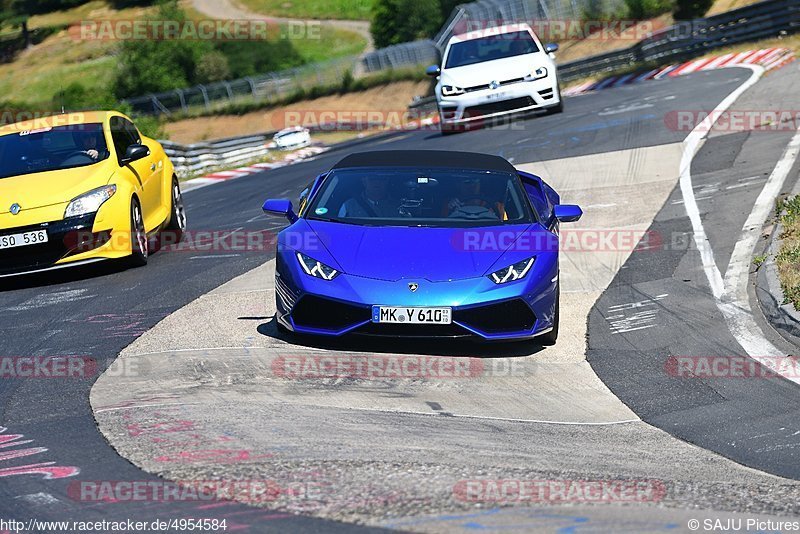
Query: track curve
x=99, y=312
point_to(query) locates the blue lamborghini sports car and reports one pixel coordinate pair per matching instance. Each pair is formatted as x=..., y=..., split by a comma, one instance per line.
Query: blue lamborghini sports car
x=421, y=243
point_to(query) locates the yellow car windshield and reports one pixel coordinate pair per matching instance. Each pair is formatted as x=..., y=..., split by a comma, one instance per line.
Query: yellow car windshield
x=50, y=149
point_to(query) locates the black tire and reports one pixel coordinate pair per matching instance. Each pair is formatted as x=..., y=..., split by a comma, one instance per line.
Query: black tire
x=451, y=129
x=551, y=337
x=558, y=108
x=177, y=215
x=140, y=246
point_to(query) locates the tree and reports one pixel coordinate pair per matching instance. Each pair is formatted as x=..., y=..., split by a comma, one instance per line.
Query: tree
x=691, y=9
x=645, y=9
x=212, y=67
x=13, y=13
x=154, y=65
x=35, y=7
x=401, y=21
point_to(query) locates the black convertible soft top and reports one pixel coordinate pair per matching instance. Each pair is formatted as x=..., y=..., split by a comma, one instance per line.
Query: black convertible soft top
x=426, y=158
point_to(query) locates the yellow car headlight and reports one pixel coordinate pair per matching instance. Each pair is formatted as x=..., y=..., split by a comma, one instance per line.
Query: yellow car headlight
x=89, y=202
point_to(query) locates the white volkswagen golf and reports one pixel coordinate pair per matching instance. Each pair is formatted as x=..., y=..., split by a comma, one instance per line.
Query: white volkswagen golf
x=494, y=72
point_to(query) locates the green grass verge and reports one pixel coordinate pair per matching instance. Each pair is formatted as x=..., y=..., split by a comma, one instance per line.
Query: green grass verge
x=788, y=258
x=330, y=43
x=312, y=9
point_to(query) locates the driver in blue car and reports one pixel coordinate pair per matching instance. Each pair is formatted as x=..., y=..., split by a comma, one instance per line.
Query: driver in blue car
x=373, y=201
x=469, y=194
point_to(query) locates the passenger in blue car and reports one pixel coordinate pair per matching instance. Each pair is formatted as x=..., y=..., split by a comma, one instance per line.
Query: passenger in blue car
x=373, y=201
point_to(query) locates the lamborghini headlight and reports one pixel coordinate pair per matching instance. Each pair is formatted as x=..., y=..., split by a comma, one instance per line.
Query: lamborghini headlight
x=513, y=272
x=315, y=268
x=90, y=202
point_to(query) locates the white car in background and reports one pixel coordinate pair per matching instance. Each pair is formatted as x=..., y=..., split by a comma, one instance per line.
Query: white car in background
x=494, y=72
x=290, y=138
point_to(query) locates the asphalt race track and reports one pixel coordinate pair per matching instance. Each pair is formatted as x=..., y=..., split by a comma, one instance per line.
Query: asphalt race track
x=737, y=439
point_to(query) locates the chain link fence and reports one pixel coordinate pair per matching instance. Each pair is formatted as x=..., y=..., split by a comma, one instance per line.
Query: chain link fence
x=684, y=40
x=482, y=14
x=266, y=88
x=423, y=52
x=757, y=21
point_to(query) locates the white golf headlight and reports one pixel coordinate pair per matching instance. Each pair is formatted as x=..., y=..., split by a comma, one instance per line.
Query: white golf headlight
x=315, y=268
x=512, y=272
x=90, y=202
x=537, y=74
x=451, y=90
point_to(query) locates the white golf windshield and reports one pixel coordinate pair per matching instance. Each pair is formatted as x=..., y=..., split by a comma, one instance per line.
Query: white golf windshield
x=490, y=48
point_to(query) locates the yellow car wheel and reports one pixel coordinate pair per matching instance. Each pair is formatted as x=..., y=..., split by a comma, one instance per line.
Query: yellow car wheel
x=140, y=248
x=177, y=220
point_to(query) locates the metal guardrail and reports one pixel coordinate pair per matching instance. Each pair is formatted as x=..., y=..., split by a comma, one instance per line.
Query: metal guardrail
x=607, y=62
x=682, y=41
x=678, y=42
x=424, y=105
x=197, y=158
x=201, y=157
x=766, y=19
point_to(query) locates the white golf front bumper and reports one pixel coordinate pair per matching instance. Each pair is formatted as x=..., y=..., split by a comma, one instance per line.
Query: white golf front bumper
x=506, y=99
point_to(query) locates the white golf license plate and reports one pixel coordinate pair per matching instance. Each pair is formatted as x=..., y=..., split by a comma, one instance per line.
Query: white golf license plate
x=24, y=239
x=412, y=315
x=496, y=96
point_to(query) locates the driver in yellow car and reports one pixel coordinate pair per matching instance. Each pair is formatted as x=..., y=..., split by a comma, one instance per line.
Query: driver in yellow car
x=89, y=143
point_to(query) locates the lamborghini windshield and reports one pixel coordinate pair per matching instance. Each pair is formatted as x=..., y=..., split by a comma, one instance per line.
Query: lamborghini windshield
x=420, y=197
x=51, y=149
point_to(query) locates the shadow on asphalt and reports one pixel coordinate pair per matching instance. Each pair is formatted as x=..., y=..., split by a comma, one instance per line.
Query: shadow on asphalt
x=468, y=347
x=62, y=276
x=68, y=274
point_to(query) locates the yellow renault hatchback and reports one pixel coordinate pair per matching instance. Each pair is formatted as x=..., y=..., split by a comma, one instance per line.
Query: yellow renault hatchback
x=83, y=187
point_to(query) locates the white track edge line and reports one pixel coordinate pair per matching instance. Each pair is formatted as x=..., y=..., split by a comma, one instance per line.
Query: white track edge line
x=730, y=294
x=691, y=145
